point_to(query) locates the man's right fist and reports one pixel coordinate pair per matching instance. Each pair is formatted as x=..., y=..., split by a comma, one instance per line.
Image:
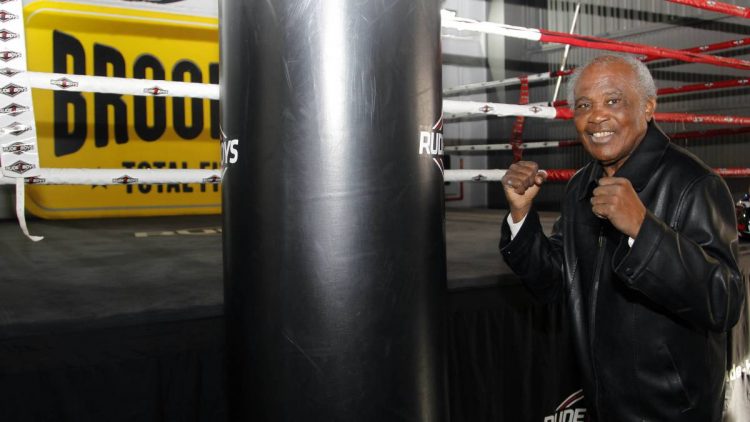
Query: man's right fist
x=521, y=184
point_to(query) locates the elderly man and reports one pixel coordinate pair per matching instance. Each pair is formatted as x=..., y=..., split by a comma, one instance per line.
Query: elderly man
x=644, y=254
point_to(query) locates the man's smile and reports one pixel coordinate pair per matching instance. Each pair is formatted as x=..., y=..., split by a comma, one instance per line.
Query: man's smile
x=601, y=137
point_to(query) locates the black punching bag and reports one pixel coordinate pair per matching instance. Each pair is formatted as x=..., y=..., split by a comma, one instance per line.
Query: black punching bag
x=333, y=213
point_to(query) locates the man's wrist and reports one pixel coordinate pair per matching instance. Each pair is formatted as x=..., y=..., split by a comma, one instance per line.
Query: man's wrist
x=518, y=215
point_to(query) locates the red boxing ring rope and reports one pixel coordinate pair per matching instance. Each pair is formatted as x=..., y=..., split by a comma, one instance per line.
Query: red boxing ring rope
x=563, y=175
x=715, y=6
x=709, y=119
x=706, y=86
x=643, y=50
x=555, y=175
x=724, y=45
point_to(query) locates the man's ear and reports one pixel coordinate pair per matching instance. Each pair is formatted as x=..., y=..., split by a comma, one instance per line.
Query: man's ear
x=650, y=108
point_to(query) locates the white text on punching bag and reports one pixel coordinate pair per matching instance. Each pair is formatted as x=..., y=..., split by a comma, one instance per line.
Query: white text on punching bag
x=430, y=143
x=229, y=151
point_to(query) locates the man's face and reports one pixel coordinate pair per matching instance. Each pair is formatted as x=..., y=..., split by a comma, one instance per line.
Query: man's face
x=610, y=115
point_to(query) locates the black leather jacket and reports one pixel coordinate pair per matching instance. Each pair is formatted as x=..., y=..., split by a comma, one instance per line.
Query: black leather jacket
x=649, y=321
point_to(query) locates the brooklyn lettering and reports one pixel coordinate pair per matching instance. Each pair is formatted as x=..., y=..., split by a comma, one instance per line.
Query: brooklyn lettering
x=111, y=110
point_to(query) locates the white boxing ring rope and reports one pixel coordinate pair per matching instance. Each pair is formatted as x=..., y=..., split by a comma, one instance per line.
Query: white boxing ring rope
x=124, y=86
x=86, y=176
x=489, y=175
x=146, y=87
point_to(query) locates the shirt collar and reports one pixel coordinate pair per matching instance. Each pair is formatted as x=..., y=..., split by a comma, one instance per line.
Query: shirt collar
x=640, y=166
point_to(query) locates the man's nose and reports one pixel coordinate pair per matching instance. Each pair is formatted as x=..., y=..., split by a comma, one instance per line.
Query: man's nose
x=598, y=114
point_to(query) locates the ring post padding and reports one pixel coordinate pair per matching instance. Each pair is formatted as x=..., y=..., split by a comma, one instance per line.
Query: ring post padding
x=333, y=221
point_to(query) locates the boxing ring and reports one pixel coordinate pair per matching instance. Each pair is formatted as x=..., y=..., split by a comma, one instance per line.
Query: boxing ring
x=174, y=344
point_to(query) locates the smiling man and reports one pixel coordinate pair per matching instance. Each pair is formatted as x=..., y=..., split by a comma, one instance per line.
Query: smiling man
x=644, y=254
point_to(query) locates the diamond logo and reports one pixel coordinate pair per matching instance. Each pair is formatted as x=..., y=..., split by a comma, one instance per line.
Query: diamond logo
x=16, y=129
x=64, y=83
x=6, y=16
x=12, y=89
x=155, y=91
x=213, y=179
x=125, y=180
x=34, y=180
x=20, y=167
x=6, y=35
x=7, y=71
x=18, y=148
x=13, y=109
x=7, y=56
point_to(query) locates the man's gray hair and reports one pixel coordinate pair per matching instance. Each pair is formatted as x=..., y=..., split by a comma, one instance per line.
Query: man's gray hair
x=644, y=81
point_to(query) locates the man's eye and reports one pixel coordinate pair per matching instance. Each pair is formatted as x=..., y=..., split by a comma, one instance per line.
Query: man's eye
x=581, y=106
x=613, y=101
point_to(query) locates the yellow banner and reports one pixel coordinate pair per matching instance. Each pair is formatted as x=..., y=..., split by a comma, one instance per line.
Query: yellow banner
x=87, y=130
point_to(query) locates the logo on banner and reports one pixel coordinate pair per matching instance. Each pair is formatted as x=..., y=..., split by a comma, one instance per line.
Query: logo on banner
x=18, y=148
x=213, y=179
x=156, y=91
x=6, y=71
x=7, y=56
x=20, y=167
x=64, y=83
x=6, y=16
x=567, y=411
x=12, y=90
x=125, y=180
x=16, y=128
x=6, y=35
x=431, y=143
x=13, y=109
x=34, y=180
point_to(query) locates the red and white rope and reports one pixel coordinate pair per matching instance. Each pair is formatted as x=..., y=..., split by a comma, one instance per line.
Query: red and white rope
x=452, y=108
x=543, y=35
x=558, y=175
